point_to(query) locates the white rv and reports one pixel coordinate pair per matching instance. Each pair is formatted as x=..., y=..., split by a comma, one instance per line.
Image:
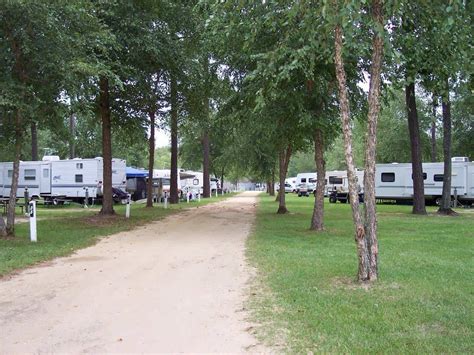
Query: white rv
x=394, y=181
x=305, y=183
x=193, y=181
x=55, y=179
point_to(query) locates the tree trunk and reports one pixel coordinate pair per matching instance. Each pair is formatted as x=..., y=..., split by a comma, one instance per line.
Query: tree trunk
x=272, y=184
x=34, y=141
x=415, y=145
x=284, y=160
x=268, y=186
x=222, y=179
x=151, y=161
x=365, y=236
x=72, y=132
x=174, y=194
x=445, y=206
x=371, y=143
x=10, y=229
x=361, y=243
x=104, y=106
x=317, y=221
x=205, y=164
x=433, y=130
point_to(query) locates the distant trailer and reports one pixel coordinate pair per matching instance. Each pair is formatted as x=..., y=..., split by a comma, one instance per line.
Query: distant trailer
x=395, y=181
x=56, y=180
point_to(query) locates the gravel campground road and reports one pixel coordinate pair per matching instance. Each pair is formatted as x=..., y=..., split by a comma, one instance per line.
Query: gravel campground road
x=176, y=285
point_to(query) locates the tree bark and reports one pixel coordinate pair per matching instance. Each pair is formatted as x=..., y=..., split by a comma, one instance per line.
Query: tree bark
x=174, y=194
x=371, y=143
x=365, y=235
x=415, y=145
x=151, y=160
x=317, y=221
x=284, y=160
x=10, y=228
x=433, y=130
x=34, y=141
x=205, y=164
x=361, y=243
x=272, y=183
x=445, y=206
x=104, y=107
x=3, y=227
x=72, y=132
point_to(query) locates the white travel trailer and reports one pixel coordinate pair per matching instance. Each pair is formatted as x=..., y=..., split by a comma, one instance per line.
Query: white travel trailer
x=54, y=179
x=194, y=182
x=394, y=181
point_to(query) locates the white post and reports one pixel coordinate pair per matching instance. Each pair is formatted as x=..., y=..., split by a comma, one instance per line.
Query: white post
x=127, y=208
x=199, y=196
x=33, y=221
x=216, y=193
x=166, y=201
x=187, y=197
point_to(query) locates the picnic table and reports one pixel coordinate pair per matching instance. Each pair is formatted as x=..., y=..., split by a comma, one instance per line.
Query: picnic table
x=5, y=201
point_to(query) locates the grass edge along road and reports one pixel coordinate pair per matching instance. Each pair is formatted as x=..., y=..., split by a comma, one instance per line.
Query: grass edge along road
x=61, y=231
x=306, y=299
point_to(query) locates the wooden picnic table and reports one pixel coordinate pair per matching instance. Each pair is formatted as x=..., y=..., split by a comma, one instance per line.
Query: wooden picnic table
x=4, y=201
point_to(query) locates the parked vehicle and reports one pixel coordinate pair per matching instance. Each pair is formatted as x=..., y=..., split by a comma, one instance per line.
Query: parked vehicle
x=55, y=180
x=395, y=182
x=288, y=188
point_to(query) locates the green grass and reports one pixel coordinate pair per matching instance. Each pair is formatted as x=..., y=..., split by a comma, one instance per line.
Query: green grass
x=61, y=230
x=306, y=297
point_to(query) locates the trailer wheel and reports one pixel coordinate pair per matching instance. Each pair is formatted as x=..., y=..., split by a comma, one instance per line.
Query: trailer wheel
x=332, y=199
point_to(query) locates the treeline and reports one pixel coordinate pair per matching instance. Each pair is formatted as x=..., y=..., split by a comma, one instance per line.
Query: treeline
x=242, y=87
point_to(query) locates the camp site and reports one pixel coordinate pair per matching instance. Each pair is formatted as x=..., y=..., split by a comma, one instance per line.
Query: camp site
x=233, y=177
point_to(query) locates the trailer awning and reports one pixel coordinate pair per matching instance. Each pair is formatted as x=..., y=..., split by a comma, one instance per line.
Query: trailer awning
x=136, y=173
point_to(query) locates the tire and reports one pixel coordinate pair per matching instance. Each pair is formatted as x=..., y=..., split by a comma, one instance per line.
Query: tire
x=332, y=199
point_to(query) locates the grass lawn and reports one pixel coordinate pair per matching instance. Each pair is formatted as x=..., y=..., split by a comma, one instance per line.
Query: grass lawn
x=61, y=230
x=307, y=300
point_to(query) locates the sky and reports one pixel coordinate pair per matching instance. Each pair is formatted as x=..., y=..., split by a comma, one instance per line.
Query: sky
x=162, y=138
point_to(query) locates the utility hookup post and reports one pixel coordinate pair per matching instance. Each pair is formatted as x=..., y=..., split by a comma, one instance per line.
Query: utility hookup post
x=199, y=196
x=166, y=200
x=187, y=197
x=27, y=200
x=127, y=208
x=86, y=199
x=32, y=209
x=455, y=204
x=216, y=193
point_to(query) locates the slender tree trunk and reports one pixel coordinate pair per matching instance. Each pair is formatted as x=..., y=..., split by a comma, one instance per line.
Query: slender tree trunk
x=284, y=160
x=445, y=206
x=371, y=143
x=34, y=141
x=151, y=160
x=268, y=186
x=174, y=194
x=205, y=164
x=415, y=145
x=272, y=183
x=104, y=106
x=317, y=221
x=72, y=132
x=361, y=243
x=365, y=235
x=10, y=229
x=222, y=179
x=433, y=130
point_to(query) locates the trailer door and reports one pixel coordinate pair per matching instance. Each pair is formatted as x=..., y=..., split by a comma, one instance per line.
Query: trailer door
x=45, y=180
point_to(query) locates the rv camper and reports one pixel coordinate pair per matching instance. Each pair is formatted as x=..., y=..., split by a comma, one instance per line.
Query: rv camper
x=338, y=185
x=394, y=181
x=54, y=179
x=305, y=183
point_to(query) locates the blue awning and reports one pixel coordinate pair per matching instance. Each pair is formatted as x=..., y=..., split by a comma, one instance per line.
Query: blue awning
x=136, y=173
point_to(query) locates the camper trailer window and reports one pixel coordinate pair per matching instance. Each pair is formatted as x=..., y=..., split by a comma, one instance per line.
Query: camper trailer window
x=79, y=178
x=388, y=177
x=438, y=177
x=10, y=173
x=424, y=176
x=335, y=180
x=196, y=182
x=79, y=166
x=303, y=180
x=30, y=174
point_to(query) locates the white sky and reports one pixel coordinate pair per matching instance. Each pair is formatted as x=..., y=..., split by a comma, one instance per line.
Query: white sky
x=163, y=138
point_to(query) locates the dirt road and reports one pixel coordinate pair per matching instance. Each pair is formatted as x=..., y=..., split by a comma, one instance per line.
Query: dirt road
x=177, y=285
